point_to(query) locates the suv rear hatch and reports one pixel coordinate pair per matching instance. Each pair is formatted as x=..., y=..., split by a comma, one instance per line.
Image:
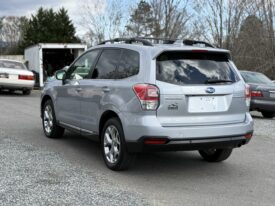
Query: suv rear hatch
x=199, y=88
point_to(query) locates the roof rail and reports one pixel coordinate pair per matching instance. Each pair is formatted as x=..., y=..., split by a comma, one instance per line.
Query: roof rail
x=128, y=41
x=158, y=39
x=190, y=42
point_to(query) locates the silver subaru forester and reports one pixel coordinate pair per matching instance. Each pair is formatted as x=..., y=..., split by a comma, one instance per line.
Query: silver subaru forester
x=145, y=94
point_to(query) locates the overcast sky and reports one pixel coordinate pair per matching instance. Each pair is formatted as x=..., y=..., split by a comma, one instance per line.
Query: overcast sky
x=28, y=7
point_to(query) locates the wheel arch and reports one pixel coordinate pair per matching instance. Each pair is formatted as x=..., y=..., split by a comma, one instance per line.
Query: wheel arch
x=44, y=99
x=105, y=117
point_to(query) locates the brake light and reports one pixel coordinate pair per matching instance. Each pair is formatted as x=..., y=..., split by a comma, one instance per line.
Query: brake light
x=25, y=77
x=148, y=96
x=256, y=94
x=247, y=95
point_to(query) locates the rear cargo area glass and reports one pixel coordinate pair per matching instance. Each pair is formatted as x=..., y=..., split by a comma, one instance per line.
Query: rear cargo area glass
x=183, y=68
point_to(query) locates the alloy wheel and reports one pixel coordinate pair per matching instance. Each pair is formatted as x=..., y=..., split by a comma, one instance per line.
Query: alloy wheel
x=48, y=119
x=111, y=144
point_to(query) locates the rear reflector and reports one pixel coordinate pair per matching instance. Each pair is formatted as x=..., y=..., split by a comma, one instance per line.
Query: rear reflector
x=256, y=94
x=25, y=77
x=248, y=136
x=155, y=141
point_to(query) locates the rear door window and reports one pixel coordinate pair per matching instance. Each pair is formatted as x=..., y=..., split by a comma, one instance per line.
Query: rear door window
x=183, y=68
x=128, y=65
x=107, y=64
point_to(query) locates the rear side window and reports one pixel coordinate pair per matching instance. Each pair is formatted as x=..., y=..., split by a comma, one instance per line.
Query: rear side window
x=106, y=65
x=184, y=68
x=128, y=65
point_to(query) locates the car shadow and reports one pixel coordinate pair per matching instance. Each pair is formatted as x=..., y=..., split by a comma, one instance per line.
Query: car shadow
x=7, y=93
x=261, y=117
x=161, y=163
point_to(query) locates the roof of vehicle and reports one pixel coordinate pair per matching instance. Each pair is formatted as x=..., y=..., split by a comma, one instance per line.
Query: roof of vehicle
x=246, y=71
x=156, y=49
x=59, y=46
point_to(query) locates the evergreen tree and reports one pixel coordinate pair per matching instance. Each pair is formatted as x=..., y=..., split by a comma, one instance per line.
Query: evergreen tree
x=141, y=20
x=47, y=26
x=250, y=51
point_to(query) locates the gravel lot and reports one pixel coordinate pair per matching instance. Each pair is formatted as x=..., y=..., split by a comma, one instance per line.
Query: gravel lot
x=70, y=171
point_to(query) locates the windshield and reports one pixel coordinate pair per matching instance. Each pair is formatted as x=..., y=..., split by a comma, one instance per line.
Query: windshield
x=183, y=68
x=11, y=64
x=256, y=78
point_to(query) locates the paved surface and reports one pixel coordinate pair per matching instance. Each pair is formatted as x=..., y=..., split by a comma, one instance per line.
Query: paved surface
x=35, y=170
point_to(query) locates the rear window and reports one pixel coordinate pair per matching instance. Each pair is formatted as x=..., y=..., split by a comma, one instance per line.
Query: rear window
x=11, y=64
x=183, y=68
x=256, y=78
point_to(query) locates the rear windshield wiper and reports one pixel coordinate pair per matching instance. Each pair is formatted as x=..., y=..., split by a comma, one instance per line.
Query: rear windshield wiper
x=216, y=81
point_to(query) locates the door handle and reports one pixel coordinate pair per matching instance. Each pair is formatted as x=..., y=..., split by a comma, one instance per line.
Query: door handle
x=105, y=89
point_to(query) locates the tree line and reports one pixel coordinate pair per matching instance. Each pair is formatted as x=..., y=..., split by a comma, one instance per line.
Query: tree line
x=245, y=27
x=46, y=26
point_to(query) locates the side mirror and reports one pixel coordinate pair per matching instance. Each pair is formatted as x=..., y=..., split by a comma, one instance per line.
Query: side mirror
x=60, y=74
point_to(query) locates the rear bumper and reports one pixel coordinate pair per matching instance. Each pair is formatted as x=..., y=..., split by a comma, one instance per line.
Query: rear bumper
x=137, y=126
x=188, y=144
x=262, y=105
x=16, y=84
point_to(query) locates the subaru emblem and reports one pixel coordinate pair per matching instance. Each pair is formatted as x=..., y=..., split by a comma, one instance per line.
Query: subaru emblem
x=210, y=90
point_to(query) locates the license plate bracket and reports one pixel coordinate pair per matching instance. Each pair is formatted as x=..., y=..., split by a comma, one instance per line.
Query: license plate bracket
x=206, y=104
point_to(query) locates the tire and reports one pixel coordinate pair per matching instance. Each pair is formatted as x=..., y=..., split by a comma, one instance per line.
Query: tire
x=215, y=155
x=51, y=129
x=26, y=92
x=268, y=114
x=113, y=146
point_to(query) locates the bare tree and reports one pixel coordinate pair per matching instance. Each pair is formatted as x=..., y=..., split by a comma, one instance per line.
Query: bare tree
x=10, y=31
x=265, y=11
x=141, y=20
x=103, y=20
x=170, y=18
x=221, y=20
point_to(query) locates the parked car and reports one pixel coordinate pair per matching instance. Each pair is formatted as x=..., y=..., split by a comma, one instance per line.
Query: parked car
x=262, y=93
x=135, y=96
x=15, y=76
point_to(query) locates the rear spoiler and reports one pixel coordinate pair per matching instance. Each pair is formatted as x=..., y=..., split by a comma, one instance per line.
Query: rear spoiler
x=196, y=50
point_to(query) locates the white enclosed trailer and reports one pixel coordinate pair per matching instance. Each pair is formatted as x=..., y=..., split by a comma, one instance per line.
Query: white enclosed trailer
x=46, y=58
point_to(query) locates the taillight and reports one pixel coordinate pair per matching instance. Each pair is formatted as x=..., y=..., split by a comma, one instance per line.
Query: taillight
x=25, y=77
x=247, y=95
x=256, y=94
x=148, y=96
